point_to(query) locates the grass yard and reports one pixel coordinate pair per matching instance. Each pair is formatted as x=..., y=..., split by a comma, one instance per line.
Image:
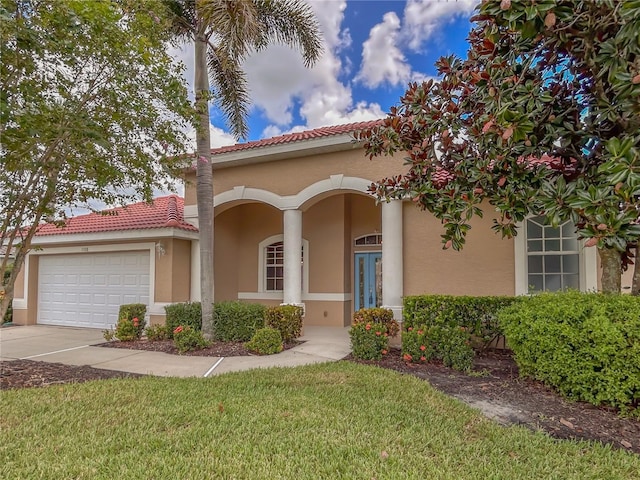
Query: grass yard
x=329, y=421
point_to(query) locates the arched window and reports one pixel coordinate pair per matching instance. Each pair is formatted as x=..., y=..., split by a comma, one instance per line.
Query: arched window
x=271, y=265
x=373, y=239
x=274, y=267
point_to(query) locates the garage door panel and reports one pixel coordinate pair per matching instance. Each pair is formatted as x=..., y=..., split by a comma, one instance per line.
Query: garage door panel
x=88, y=289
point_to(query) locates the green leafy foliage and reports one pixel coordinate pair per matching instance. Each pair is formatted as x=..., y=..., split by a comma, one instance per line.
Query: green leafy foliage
x=126, y=330
x=266, y=341
x=155, y=333
x=542, y=117
x=185, y=314
x=237, y=321
x=369, y=340
x=188, y=338
x=135, y=312
x=586, y=346
x=450, y=344
x=287, y=319
x=106, y=118
x=478, y=315
x=377, y=315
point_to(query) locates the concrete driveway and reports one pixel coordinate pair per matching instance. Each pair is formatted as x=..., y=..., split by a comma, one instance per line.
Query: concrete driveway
x=75, y=346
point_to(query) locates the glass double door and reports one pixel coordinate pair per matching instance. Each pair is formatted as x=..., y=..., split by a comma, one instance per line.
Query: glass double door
x=368, y=280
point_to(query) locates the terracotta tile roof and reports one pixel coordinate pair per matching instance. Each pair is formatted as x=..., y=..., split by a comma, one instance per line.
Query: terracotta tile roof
x=297, y=137
x=165, y=212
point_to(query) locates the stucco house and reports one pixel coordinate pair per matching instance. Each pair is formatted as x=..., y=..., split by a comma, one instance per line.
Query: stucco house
x=293, y=224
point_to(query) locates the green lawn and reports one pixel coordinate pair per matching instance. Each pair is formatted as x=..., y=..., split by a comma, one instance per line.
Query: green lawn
x=330, y=421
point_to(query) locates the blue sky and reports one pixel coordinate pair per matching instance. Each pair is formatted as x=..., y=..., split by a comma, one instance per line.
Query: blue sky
x=373, y=48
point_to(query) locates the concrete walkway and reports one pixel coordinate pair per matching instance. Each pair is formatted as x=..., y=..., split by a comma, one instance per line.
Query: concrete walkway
x=74, y=346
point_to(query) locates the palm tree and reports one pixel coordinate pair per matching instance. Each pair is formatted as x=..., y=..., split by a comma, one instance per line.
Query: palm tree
x=224, y=33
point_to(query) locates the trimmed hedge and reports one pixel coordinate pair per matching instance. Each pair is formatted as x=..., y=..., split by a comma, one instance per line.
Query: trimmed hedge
x=266, y=341
x=187, y=314
x=586, y=346
x=477, y=314
x=237, y=321
x=377, y=315
x=287, y=319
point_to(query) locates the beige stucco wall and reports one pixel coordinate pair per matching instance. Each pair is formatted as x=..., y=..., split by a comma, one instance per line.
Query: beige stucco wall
x=324, y=227
x=485, y=266
x=290, y=176
x=173, y=271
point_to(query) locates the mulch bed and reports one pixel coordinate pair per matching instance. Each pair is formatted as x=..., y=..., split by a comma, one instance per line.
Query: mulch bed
x=494, y=388
x=215, y=349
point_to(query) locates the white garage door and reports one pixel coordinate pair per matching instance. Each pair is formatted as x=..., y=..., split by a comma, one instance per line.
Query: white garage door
x=86, y=290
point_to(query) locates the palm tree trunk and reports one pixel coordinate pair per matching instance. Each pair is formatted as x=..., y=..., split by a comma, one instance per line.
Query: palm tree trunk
x=611, y=270
x=204, y=186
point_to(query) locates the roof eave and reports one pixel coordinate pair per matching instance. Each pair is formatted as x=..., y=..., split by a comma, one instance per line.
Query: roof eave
x=115, y=236
x=283, y=151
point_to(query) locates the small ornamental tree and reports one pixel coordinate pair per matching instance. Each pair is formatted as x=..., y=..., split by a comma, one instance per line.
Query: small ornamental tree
x=541, y=118
x=92, y=108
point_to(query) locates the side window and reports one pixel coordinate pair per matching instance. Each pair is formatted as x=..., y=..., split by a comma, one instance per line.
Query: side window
x=553, y=257
x=274, y=267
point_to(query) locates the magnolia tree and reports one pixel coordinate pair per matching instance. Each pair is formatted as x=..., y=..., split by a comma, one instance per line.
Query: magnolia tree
x=92, y=109
x=541, y=118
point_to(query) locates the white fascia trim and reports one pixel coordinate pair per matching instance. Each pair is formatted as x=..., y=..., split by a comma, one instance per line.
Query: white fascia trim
x=327, y=297
x=119, y=235
x=261, y=296
x=158, y=308
x=311, y=297
x=283, y=151
x=121, y=247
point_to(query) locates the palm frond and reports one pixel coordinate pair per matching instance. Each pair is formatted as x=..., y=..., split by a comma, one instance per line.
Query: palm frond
x=292, y=23
x=230, y=23
x=230, y=91
x=183, y=17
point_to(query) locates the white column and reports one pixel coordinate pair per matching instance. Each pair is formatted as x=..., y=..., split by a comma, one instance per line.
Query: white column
x=292, y=257
x=195, y=271
x=392, y=287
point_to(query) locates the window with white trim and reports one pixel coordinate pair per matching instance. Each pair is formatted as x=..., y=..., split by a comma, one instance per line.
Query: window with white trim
x=553, y=256
x=274, y=267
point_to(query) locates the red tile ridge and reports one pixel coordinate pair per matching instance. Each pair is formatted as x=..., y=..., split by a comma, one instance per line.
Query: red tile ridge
x=286, y=138
x=164, y=212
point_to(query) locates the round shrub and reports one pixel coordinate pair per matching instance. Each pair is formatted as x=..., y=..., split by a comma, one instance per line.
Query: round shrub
x=287, y=319
x=266, y=341
x=377, y=315
x=236, y=321
x=369, y=341
x=156, y=333
x=188, y=338
x=187, y=314
x=449, y=344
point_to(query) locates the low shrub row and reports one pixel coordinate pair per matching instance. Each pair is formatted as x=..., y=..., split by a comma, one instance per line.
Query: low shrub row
x=584, y=345
x=234, y=321
x=478, y=315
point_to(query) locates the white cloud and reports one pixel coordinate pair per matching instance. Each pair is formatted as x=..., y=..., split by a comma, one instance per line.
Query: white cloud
x=219, y=138
x=279, y=82
x=422, y=18
x=382, y=59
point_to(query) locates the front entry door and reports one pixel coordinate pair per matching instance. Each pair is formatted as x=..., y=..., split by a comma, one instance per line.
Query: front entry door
x=368, y=281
